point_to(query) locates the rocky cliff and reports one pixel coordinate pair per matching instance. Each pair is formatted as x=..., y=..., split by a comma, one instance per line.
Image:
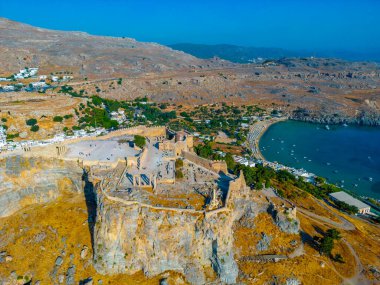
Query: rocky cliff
x=130, y=238
x=25, y=181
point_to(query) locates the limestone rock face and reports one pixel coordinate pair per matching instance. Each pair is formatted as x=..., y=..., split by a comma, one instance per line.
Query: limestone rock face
x=285, y=219
x=25, y=181
x=130, y=238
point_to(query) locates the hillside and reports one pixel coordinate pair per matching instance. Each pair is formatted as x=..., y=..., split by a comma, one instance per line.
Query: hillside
x=23, y=45
x=315, y=89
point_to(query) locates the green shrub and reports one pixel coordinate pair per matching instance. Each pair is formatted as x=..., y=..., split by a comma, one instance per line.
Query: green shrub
x=178, y=163
x=58, y=119
x=31, y=122
x=139, y=141
x=178, y=174
x=35, y=128
x=12, y=136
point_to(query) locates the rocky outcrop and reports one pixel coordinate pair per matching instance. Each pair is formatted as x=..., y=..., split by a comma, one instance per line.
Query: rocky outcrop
x=366, y=118
x=285, y=219
x=25, y=181
x=130, y=238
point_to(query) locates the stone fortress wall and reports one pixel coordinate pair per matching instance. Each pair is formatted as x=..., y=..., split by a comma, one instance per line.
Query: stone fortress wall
x=58, y=149
x=192, y=239
x=212, y=165
x=131, y=236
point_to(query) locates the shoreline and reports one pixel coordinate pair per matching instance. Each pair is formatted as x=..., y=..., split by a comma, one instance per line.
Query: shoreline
x=353, y=192
x=256, y=131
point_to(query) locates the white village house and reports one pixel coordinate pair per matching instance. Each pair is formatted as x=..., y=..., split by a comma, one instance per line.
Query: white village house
x=348, y=199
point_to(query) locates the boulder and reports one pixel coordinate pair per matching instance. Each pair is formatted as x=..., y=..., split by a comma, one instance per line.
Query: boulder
x=59, y=261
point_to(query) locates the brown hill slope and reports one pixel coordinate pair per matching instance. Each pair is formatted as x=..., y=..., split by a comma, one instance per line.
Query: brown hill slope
x=317, y=89
x=24, y=45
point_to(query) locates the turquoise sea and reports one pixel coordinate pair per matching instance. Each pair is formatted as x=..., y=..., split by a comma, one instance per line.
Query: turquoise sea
x=347, y=156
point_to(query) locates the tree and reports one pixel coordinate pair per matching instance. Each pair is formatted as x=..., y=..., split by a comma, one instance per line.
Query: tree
x=139, y=141
x=320, y=180
x=178, y=163
x=327, y=242
x=334, y=234
x=31, y=122
x=68, y=116
x=230, y=161
x=58, y=119
x=326, y=245
x=178, y=174
x=4, y=120
x=35, y=128
x=96, y=100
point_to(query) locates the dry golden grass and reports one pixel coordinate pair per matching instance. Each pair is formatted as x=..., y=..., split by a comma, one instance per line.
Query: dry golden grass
x=178, y=201
x=309, y=203
x=64, y=218
x=280, y=243
x=19, y=107
x=310, y=268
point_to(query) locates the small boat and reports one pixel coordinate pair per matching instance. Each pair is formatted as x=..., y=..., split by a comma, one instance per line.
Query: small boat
x=370, y=179
x=327, y=127
x=328, y=163
x=345, y=125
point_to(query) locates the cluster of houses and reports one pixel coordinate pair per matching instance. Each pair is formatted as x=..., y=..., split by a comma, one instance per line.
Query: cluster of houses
x=30, y=73
x=26, y=73
x=244, y=161
x=3, y=137
x=12, y=146
x=118, y=116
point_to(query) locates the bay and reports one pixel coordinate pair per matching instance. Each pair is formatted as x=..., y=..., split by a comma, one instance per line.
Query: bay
x=348, y=156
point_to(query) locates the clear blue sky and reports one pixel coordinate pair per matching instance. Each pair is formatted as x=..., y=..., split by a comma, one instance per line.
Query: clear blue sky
x=294, y=24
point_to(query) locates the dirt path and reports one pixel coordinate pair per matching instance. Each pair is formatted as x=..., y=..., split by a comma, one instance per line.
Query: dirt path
x=344, y=225
x=359, y=277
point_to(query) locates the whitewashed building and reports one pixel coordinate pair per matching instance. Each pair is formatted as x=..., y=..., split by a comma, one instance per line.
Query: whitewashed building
x=348, y=199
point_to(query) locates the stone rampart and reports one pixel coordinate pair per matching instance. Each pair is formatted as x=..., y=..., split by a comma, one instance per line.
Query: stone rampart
x=212, y=165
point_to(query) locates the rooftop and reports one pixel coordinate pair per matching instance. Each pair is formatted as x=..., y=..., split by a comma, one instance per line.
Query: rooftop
x=344, y=197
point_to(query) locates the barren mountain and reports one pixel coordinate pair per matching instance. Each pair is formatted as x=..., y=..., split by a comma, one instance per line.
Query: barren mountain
x=23, y=45
x=317, y=89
